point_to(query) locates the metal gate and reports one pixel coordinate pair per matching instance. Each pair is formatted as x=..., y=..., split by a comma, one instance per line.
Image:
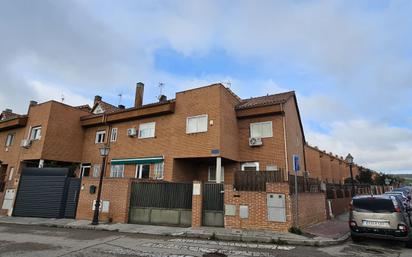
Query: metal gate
x=213, y=202
x=72, y=198
x=46, y=193
x=161, y=203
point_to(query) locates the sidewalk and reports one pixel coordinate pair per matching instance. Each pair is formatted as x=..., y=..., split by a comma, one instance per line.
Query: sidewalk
x=336, y=228
x=202, y=232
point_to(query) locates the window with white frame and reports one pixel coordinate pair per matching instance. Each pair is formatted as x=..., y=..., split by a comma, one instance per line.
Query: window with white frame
x=9, y=139
x=113, y=135
x=261, y=129
x=142, y=171
x=85, y=170
x=212, y=174
x=159, y=170
x=147, y=130
x=250, y=166
x=117, y=171
x=35, y=133
x=96, y=170
x=196, y=124
x=100, y=136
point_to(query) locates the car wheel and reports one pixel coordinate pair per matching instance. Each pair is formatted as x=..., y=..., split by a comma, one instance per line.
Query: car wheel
x=356, y=239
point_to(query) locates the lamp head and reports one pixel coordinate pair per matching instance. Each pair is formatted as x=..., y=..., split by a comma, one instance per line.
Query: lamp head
x=104, y=150
x=349, y=159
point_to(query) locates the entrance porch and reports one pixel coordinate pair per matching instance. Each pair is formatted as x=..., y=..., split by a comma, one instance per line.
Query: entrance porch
x=204, y=169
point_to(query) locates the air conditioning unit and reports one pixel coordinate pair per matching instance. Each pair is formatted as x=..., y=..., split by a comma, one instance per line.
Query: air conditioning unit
x=131, y=132
x=26, y=143
x=255, y=141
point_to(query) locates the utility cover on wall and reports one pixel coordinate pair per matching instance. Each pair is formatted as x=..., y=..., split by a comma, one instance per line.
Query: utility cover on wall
x=230, y=209
x=244, y=211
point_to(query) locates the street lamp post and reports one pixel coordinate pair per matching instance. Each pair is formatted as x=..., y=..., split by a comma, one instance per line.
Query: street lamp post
x=349, y=160
x=104, y=151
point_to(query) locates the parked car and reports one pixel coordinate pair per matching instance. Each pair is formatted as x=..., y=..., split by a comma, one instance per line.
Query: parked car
x=380, y=216
x=406, y=190
x=402, y=195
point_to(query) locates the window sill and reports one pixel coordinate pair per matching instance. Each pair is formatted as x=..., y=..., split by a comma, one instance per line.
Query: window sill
x=194, y=133
x=146, y=137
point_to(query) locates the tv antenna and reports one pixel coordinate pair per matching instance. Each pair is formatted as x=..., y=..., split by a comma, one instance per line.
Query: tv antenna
x=161, y=87
x=62, y=98
x=228, y=84
x=120, y=98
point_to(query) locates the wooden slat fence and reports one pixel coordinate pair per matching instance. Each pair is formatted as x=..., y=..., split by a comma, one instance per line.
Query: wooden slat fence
x=256, y=180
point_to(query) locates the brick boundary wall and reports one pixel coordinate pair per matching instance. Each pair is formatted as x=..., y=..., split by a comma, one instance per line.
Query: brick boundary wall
x=338, y=206
x=256, y=201
x=197, y=205
x=114, y=190
x=311, y=207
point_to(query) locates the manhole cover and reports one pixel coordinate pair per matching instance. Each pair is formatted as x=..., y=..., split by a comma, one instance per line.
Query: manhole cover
x=214, y=255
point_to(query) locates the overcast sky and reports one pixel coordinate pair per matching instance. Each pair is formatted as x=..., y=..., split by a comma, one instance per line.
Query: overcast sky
x=350, y=62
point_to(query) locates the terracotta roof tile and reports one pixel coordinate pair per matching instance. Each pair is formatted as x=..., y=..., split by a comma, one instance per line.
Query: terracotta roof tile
x=265, y=100
x=107, y=108
x=8, y=115
x=84, y=107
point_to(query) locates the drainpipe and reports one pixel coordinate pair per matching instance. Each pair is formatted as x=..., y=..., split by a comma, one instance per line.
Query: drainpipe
x=286, y=147
x=218, y=170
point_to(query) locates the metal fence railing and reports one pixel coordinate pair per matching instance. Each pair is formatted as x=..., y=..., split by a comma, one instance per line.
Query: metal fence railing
x=161, y=195
x=305, y=185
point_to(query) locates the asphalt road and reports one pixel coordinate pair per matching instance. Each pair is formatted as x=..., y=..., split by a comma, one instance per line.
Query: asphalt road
x=21, y=240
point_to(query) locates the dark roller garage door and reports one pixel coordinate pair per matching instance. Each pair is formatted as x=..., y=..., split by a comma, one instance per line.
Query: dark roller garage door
x=47, y=193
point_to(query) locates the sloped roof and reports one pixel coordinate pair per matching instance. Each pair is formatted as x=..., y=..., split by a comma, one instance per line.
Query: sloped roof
x=107, y=108
x=265, y=100
x=85, y=107
x=8, y=115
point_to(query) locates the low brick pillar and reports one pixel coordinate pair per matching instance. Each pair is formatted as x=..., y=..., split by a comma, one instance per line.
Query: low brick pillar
x=197, y=204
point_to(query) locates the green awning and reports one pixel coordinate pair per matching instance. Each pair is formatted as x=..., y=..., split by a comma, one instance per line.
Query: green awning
x=145, y=160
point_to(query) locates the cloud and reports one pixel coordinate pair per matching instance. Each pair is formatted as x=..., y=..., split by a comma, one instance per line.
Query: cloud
x=46, y=92
x=375, y=145
x=348, y=61
x=55, y=41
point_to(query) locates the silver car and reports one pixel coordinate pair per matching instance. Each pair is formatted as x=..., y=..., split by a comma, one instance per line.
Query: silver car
x=380, y=216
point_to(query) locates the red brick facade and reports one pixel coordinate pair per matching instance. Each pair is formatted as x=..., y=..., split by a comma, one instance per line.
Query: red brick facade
x=68, y=138
x=115, y=191
x=326, y=166
x=311, y=208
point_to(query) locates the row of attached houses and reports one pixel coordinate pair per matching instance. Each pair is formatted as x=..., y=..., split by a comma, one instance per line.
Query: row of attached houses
x=202, y=137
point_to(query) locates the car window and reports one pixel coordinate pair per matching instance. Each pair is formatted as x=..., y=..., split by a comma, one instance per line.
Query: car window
x=377, y=205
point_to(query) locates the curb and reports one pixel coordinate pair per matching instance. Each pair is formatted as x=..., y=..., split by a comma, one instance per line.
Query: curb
x=279, y=240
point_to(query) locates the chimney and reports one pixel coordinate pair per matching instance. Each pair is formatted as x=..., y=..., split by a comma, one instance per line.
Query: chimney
x=121, y=106
x=138, y=101
x=162, y=98
x=97, y=98
x=32, y=103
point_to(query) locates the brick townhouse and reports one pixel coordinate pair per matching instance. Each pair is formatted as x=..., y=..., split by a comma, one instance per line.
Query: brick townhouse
x=205, y=134
x=182, y=139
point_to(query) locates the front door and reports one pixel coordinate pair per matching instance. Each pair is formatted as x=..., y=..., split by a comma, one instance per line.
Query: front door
x=3, y=171
x=142, y=171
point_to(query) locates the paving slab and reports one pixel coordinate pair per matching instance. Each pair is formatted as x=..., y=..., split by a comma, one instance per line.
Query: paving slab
x=234, y=235
x=331, y=229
